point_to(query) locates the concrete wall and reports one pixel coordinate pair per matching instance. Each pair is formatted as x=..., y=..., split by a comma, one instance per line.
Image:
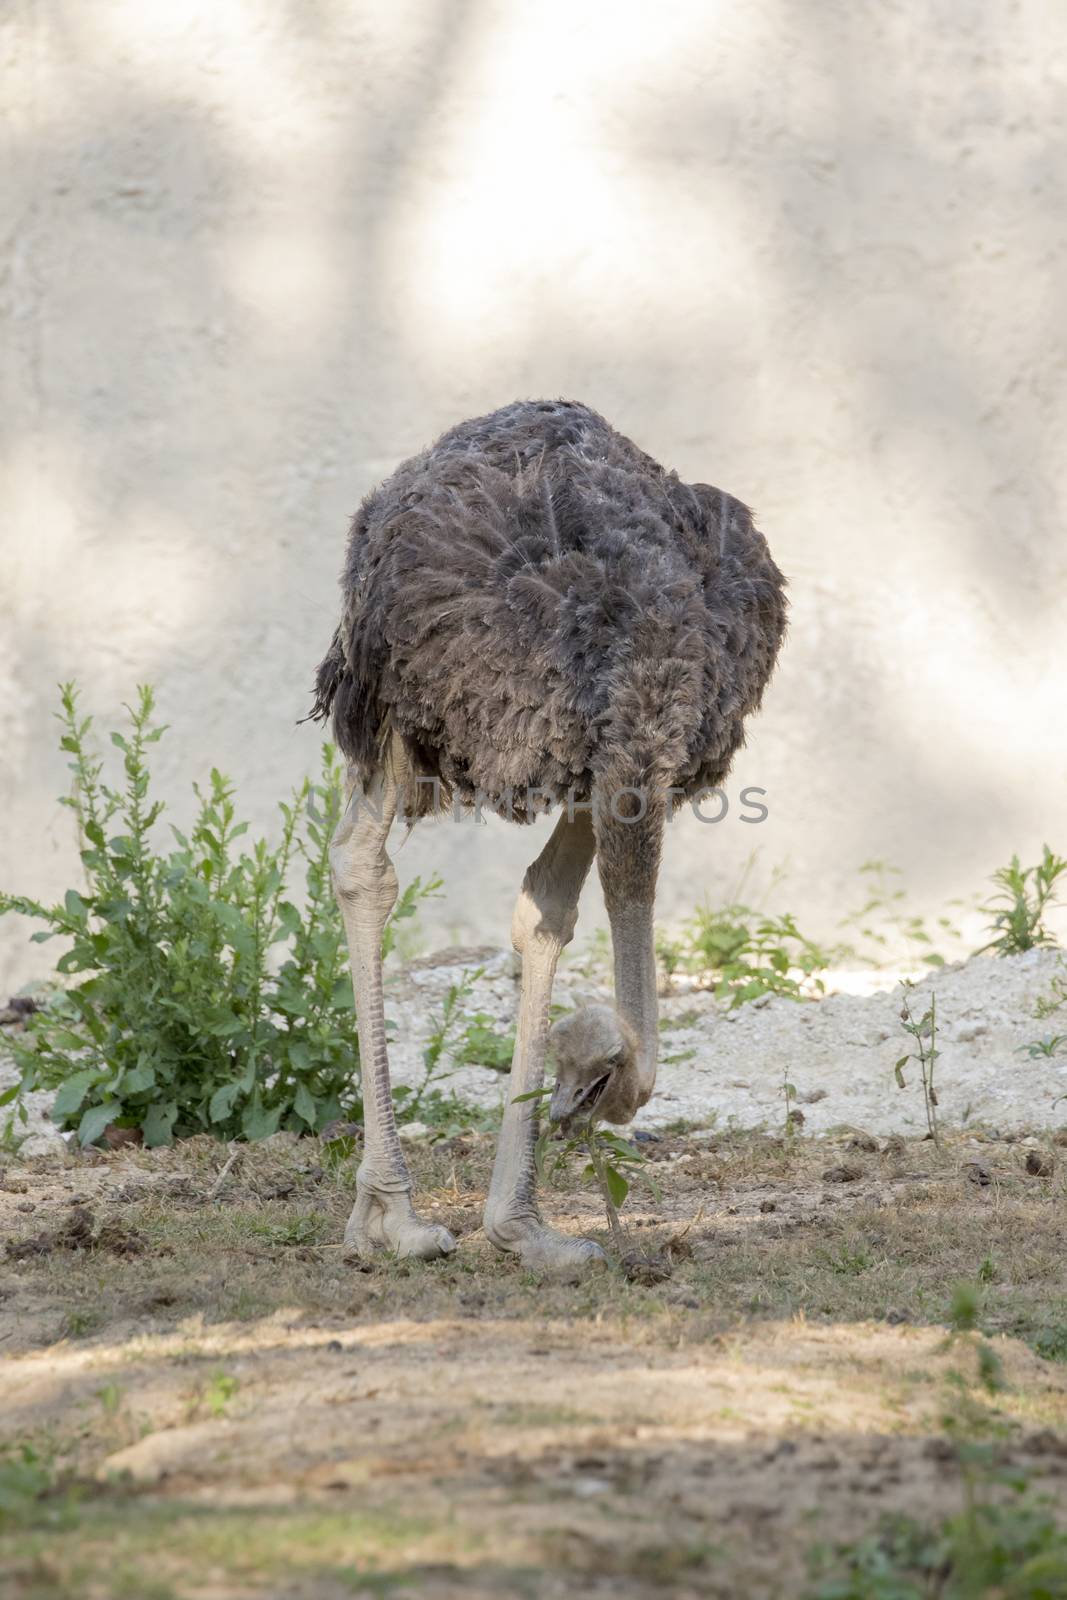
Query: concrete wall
x=255, y=251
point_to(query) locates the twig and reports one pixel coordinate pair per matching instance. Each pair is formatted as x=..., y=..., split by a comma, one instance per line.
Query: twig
x=231, y=1161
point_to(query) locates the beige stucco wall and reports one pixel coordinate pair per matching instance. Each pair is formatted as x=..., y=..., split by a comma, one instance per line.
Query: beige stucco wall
x=253, y=253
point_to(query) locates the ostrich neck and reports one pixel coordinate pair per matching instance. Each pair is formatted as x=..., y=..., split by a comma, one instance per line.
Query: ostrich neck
x=632, y=938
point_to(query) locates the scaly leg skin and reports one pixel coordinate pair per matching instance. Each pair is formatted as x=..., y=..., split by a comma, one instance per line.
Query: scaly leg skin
x=366, y=887
x=543, y=923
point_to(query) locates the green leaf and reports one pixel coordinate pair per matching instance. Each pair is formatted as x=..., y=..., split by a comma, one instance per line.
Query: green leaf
x=75, y=906
x=65, y=1039
x=96, y=1119
x=138, y=1079
x=72, y=1092
x=618, y=1188
x=259, y=1121
x=531, y=1094
x=300, y=1055
x=222, y=1023
x=342, y=998
x=221, y=1102
x=304, y=1105
x=616, y=1143
x=158, y=1125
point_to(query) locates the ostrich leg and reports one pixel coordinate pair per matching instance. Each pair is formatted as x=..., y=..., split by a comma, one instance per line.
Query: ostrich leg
x=365, y=884
x=543, y=923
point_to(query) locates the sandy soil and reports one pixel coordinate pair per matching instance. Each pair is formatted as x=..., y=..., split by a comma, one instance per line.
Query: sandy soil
x=228, y=1411
x=728, y=1066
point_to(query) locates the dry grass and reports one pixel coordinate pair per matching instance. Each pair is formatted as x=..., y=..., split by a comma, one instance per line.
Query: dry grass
x=222, y=1408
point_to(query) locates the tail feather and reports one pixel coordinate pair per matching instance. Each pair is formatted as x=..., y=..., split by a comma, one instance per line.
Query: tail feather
x=328, y=678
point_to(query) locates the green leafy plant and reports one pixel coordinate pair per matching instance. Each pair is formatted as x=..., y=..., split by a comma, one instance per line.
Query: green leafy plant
x=483, y=1045
x=220, y=1390
x=924, y=1032
x=203, y=998
x=1050, y=1045
x=1021, y=1555
x=26, y=1478
x=407, y=906
x=426, y=1100
x=11, y=1140
x=1003, y=1543
x=789, y=1097
x=885, y=921
x=743, y=954
x=110, y=1398
x=748, y=954
x=611, y=1162
x=213, y=1395
x=1023, y=896
x=672, y=954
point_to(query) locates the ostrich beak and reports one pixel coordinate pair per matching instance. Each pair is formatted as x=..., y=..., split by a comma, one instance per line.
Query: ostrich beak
x=569, y=1098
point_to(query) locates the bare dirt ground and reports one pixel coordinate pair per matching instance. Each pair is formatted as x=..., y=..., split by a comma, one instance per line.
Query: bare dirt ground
x=215, y=1407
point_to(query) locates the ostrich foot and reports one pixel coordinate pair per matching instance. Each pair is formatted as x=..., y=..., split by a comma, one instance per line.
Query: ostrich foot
x=389, y=1221
x=544, y=1251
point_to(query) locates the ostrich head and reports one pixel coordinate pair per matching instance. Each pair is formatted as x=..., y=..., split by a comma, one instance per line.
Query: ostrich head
x=595, y=1052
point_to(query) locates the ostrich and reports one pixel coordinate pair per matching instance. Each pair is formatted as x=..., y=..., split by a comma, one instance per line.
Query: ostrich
x=536, y=613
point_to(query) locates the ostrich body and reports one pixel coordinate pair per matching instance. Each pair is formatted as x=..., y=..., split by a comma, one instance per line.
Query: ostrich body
x=536, y=612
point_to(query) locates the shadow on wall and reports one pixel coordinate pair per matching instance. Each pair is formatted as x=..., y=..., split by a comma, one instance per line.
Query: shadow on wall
x=809, y=252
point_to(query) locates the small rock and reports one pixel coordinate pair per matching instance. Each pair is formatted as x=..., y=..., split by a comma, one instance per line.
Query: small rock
x=894, y=1145
x=978, y=1174
x=895, y=1317
x=796, y=1119
x=847, y=1172
x=811, y=1097
x=278, y=1191
x=1039, y=1164
x=642, y=1136
x=645, y=1269
x=1046, y=1443
x=863, y=1141
x=416, y=1130
x=18, y=1008
x=46, y=1144
x=120, y=1241
x=116, y=1138
x=768, y=1205
x=280, y=1140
